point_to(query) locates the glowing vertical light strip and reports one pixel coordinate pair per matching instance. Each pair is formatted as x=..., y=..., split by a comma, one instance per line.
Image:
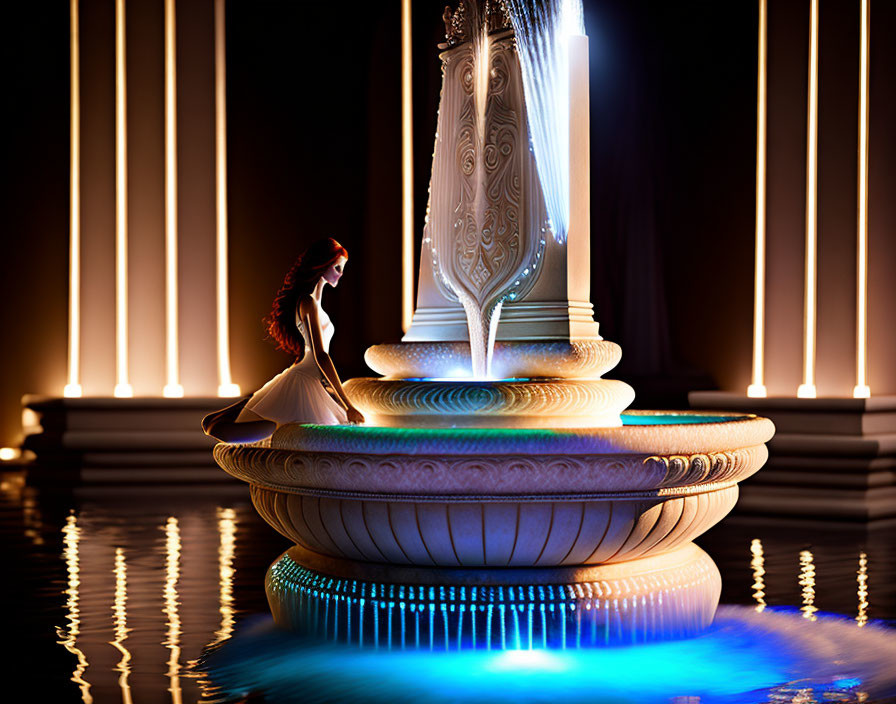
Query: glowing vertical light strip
x=226, y=549
x=862, y=591
x=120, y=621
x=807, y=582
x=71, y=537
x=407, y=173
x=757, y=387
x=172, y=607
x=122, y=386
x=73, y=387
x=226, y=387
x=861, y=389
x=172, y=388
x=807, y=388
x=757, y=563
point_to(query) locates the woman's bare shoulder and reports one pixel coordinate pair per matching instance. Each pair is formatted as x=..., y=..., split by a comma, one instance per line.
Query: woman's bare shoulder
x=305, y=304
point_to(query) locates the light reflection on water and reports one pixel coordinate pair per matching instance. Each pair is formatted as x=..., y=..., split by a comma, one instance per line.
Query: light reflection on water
x=117, y=593
x=128, y=586
x=862, y=591
x=71, y=538
x=172, y=607
x=758, y=565
x=807, y=582
x=120, y=618
x=227, y=530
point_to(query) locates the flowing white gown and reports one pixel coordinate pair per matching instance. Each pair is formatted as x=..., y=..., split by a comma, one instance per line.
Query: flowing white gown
x=297, y=394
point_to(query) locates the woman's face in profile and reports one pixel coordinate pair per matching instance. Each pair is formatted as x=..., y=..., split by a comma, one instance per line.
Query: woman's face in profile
x=334, y=273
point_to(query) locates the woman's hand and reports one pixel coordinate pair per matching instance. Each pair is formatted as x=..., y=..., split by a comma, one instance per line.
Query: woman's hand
x=354, y=415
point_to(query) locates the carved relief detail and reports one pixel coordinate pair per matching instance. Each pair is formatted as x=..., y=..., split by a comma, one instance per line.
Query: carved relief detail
x=457, y=23
x=480, y=240
x=592, y=401
x=468, y=478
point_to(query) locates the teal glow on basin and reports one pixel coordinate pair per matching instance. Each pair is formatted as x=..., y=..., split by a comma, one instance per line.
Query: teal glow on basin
x=637, y=418
x=653, y=432
x=671, y=418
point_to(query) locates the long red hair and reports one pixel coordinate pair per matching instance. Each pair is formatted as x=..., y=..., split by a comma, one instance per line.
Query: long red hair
x=300, y=281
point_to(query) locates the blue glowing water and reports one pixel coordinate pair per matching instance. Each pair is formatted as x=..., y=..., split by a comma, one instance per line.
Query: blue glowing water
x=745, y=657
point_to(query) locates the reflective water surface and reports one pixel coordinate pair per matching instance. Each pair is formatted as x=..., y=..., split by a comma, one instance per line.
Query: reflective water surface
x=118, y=593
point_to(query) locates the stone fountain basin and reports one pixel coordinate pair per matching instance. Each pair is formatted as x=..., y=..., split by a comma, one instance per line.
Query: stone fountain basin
x=501, y=497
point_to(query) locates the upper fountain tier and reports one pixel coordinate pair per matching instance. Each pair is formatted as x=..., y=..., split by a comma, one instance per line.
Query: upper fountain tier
x=492, y=267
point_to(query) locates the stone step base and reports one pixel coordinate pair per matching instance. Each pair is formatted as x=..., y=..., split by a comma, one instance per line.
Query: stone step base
x=120, y=440
x=829, y=458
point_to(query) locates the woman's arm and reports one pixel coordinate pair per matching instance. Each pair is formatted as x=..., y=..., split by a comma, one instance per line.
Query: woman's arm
x=311, y=321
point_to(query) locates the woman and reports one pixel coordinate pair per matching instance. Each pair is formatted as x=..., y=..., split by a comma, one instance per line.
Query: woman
x=298, y=325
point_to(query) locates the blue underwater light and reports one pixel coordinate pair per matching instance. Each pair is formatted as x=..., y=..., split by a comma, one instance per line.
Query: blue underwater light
x=745, y=657
x=470, y=616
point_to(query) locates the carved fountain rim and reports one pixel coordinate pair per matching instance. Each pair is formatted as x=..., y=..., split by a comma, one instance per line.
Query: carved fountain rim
x=459, y=478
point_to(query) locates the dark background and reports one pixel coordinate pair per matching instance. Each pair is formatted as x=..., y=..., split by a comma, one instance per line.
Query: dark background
x=314, y=150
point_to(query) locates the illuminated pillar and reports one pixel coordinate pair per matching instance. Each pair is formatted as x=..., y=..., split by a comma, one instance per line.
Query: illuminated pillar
x=807, y=388
x=757, y=387
x=861, y=389
x=407, y=173
x=122, y=387
x=73, y=387
x=226, y=387
x=172, y=388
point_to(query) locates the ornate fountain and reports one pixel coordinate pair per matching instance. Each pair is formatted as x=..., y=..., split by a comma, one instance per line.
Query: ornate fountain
x=498, y=495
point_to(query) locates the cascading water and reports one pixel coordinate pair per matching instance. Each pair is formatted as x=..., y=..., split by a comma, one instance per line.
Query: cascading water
x=482, y=315
x=542, y=31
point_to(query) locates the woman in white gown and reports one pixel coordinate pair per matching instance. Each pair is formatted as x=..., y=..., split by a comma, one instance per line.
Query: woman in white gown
x=310, y=390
